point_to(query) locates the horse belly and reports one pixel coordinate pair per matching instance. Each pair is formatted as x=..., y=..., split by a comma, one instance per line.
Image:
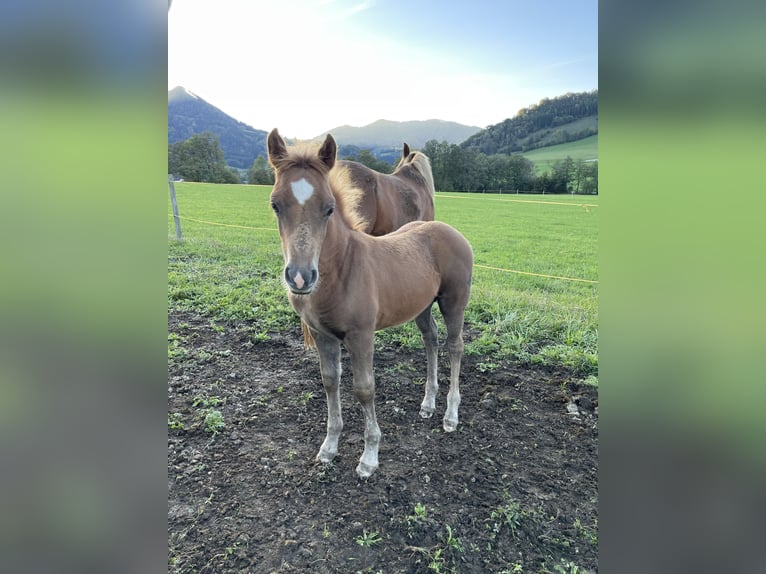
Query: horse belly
x=406, y=300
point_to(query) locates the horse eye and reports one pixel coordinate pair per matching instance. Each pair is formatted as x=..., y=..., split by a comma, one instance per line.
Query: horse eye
x=275, y=207
x=330, y=211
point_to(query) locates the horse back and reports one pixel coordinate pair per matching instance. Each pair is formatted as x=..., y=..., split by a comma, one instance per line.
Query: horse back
x=444, y=247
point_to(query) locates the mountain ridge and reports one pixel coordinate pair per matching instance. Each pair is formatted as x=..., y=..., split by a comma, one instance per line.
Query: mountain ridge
x=190, y=114
x=389, y=133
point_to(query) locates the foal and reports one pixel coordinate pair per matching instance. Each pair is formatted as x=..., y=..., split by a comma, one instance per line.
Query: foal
x=346, y=285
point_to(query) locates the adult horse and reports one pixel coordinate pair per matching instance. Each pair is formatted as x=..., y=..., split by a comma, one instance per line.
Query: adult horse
x=384, y=202
x=346, y=285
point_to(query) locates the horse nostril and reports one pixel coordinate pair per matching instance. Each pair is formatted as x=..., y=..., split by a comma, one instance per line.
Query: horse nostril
x=300, y=280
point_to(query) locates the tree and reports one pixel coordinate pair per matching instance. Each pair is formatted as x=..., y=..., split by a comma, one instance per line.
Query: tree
x=590, y=178
x=260, y=173
x=438, y=153
x=200, y=158
x=521, y=173
x=563, y=173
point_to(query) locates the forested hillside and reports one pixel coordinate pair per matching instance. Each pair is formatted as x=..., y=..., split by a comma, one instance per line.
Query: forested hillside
x=553, y=121
x=188, y=114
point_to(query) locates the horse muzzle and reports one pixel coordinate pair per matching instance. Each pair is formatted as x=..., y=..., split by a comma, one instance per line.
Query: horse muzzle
x=301, y=280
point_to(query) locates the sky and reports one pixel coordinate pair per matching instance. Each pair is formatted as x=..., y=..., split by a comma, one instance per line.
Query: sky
x=308, y=66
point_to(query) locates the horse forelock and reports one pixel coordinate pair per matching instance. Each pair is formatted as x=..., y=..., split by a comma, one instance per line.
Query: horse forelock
x=348, y=197
x=302, y=155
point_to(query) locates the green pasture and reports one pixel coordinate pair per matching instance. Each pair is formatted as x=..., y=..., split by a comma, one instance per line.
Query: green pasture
x=231, y=272
x=544, y=158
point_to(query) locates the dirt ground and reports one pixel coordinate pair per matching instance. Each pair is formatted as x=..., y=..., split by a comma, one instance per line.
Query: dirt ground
x=514, y=489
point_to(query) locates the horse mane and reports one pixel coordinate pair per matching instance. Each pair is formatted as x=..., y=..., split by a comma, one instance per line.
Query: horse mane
x=419, y=162
x=348, y=197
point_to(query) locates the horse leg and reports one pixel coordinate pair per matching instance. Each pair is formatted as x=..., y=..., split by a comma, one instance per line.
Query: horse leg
x=360, y=348
x=329, y=365
x=453, y=310
x=427, y=326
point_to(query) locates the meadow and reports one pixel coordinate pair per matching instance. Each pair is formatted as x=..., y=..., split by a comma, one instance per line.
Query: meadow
x=534, y=296
x=545, y=158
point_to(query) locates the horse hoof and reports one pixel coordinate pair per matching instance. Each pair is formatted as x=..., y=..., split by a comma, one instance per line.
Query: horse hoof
x=325, y=457
x=426, y=414
x=365, y=470
x=450, y=426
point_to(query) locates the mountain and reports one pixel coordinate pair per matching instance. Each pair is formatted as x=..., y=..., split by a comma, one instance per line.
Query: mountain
x=384, y=138
x=553, y=121
x=188, y=114
x=388, y=133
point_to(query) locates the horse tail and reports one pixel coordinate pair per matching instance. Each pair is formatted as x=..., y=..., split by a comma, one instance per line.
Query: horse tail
x=308, y=340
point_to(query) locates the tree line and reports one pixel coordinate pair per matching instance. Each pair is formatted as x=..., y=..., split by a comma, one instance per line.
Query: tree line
x=458, y=169
x=455, y=168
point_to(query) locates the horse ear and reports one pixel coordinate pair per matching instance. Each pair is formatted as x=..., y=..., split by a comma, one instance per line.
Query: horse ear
x=276, y=147
x=405, y=150
x=328, y=151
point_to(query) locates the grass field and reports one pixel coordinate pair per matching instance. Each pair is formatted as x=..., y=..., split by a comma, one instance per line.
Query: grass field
x=232, y=272
x=544, y=158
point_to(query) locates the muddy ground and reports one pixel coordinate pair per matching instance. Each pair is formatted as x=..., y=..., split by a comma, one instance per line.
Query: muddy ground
x=514, y=489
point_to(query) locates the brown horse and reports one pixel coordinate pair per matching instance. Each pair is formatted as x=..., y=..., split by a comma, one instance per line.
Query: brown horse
x=346, y=284
x=384, y=202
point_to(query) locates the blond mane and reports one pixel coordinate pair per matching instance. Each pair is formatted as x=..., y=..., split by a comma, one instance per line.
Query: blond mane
x=348, y=197
x=419, y=162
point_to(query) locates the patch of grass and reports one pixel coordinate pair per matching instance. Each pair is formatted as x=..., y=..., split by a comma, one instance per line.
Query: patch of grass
x=214, y=422
x=419, y=513
x=206, y=402
x=418, y=520
x=509, y=516
x=398, y=368
x=452, y=542
x=306, y=397
x=175, y=421
x=212, y=418
x=487, y=366
x=368, y=539
x=590, y=535
x=175, y=349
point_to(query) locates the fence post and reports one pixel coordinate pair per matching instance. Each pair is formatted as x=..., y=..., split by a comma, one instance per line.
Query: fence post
x=175, y=206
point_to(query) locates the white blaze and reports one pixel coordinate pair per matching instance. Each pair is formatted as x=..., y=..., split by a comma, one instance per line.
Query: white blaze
x=302, y=190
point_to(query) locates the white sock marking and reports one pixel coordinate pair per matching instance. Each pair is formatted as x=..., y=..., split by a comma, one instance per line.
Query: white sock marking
x=302, y=190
